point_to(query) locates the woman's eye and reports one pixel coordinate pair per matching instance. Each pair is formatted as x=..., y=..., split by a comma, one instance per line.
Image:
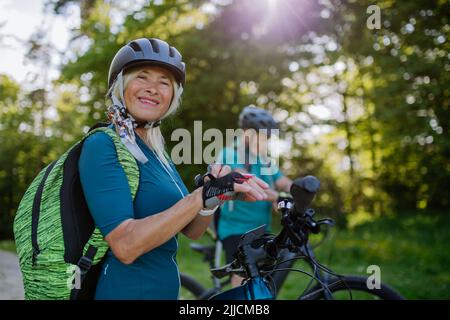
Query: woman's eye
x=165, y=83
x=141, y=77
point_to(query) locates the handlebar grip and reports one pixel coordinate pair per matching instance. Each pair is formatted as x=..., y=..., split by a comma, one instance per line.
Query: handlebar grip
x=303, y=191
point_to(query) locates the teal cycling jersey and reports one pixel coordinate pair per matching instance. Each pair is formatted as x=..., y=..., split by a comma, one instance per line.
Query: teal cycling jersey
x=154, y=275
x=238, y=217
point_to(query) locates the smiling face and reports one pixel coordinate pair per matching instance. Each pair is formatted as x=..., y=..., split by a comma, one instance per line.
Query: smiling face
x=149, y=93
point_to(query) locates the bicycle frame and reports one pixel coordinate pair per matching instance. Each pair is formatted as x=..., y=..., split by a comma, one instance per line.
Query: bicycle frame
x=278, y=277
x=254, y=289
x=259, y=288
x=287, y=260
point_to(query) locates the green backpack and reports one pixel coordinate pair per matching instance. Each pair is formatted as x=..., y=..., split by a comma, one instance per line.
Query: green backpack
x=60, y=250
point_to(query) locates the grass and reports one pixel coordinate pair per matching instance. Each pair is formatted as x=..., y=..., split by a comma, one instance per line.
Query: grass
x=8, y=245
x=411, y=251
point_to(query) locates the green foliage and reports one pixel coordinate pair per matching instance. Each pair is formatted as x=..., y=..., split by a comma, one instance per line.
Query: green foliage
x=16, y=165
x=409, y=90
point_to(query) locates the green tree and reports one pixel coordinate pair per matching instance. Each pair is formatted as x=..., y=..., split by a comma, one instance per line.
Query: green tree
x=410, y=95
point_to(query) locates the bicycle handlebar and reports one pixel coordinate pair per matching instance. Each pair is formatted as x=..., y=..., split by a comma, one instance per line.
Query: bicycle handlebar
x=297, y=221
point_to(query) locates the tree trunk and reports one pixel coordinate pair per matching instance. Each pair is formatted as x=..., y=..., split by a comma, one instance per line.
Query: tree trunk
x=349, y=150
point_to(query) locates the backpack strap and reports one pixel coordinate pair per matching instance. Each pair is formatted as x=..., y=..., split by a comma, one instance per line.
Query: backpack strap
x=84, y=266
x=35, y=213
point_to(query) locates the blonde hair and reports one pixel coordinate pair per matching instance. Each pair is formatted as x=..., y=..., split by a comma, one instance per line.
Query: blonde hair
x=153, y=136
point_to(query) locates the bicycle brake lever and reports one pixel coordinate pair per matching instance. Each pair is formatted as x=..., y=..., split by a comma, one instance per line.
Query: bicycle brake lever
x=326, y=221
x=222, y=272
x=226, y=270
x=312, y=225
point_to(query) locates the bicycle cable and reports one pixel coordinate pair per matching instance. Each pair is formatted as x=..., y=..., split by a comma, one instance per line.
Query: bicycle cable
x=274, y=285
x=306, y=273
x=321, y=289
x=276, y=265
x=329, y=271
x=310, y=281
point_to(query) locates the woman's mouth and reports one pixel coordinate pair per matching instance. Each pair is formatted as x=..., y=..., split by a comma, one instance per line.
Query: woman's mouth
x=149, y=101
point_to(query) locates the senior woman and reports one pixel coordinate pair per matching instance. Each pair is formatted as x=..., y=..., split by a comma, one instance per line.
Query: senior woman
x=146, y=80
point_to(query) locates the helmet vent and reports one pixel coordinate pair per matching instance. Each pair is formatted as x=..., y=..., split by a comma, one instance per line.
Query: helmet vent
x=171, y=52
x=135, y=46
x=155, y=45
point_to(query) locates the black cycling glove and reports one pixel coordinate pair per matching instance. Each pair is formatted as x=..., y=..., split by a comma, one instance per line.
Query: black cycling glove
x=218, y=190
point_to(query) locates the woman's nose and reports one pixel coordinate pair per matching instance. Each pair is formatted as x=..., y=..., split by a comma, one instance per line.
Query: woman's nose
x=150, y=87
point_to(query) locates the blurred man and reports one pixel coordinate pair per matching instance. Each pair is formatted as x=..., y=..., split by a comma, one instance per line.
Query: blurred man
x=237, y=217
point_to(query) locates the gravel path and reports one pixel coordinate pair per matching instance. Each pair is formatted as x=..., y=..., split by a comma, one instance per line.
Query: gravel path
x=11, y=287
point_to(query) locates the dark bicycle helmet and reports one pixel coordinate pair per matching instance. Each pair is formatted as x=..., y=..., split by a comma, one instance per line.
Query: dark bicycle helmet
x=148, y=51
x=256, y=118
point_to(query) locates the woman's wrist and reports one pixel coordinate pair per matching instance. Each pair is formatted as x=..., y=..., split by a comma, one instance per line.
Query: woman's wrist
x=198, y=194
x=198, y=197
